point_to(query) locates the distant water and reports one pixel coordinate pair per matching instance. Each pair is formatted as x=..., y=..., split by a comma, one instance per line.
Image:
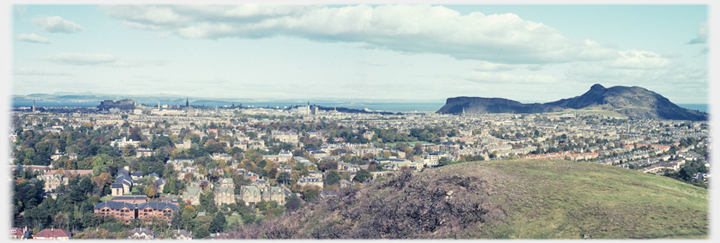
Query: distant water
x=699, y=107
x=392, y=107
x=54, y=104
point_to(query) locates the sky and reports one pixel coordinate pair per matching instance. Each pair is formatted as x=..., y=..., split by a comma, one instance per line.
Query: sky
x=413, y=52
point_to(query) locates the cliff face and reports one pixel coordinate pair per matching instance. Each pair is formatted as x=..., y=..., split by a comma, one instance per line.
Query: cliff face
x=478, y=105
x=634, y=102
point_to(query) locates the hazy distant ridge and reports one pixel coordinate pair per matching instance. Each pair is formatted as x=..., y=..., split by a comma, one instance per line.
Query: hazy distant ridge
x=633, y=101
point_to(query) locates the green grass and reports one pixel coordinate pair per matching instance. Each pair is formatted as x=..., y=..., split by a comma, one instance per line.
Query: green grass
x=235, y=218
x=570, y=199
x=106, y=198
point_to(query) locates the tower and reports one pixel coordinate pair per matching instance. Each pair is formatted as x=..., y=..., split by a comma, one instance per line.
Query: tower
x=33, y=108
x=187, y=102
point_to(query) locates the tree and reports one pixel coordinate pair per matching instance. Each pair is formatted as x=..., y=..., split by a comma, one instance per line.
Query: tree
x=362, y=175
x=293, y=203
x=201, y=232
x=176, y=219
x=86, y=184
x=327, y=165
x=188, y=214
x=152, y=190
x=310, y=193
x=171, y=187
x=333, y=178
x=283, y=177
x=129, y=151
x=418, y=148
x=218, y=224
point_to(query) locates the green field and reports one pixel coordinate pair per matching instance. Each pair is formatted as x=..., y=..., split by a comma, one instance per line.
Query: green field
x=569, y=200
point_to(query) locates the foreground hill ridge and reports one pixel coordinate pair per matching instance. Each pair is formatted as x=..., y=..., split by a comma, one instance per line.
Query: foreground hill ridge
x=516, y=199
x=636, y=102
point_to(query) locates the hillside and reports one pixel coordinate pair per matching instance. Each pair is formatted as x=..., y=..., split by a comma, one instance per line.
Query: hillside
x=517, y=199
x=634, y=102
x=479, y=105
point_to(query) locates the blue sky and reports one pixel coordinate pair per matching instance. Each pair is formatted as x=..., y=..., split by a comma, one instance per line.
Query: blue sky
x=529, y=53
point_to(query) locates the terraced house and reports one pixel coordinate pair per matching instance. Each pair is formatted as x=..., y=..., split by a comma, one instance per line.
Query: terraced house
x=156, y=209
x=123, y=210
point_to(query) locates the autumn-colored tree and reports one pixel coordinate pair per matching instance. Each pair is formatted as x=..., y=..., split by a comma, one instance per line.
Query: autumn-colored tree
x=151, y=190
x=100, y=181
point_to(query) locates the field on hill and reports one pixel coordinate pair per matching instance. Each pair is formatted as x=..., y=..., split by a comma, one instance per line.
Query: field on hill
x=510, y=199
x=570, y=200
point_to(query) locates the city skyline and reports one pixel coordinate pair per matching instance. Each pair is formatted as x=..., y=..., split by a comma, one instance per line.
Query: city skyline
x=529, y=53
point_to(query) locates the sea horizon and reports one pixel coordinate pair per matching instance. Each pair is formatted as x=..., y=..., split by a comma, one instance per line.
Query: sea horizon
x=379, y=106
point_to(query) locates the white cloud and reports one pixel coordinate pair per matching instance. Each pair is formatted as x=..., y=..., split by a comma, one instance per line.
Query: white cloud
x=498, y=38
x=377, y=64
x=497, y=78
x=56, y=24
x=534, y=67
x=634, y=59
x=40, y=72
x=594, y=73
x=95, y=59
x=493, y=67
x=671, y=55
x=81, y=59
x=702, y=34
x=124, y=64
x=32, y=38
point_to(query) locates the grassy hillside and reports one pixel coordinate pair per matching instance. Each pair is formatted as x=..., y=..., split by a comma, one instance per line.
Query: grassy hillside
x=517, y=199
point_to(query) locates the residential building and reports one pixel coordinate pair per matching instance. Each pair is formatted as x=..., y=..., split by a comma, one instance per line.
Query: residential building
x=53, y=234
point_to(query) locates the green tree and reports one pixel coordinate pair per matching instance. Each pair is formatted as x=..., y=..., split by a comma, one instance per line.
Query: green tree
x=129, y=151
x=176, y=219
x=333, y=178
x=218, y=224
x=283, y=177
x=362, y=175
x=201, y=232
x=310, y=193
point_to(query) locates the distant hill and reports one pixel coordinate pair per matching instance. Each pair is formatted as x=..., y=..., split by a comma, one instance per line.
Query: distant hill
x=634, y=102
x=513, y=199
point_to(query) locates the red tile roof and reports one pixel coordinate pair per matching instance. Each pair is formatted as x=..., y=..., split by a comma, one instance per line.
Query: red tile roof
x=53, y=233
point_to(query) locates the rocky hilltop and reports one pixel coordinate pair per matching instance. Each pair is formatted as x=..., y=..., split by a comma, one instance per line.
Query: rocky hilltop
x=636, y=102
